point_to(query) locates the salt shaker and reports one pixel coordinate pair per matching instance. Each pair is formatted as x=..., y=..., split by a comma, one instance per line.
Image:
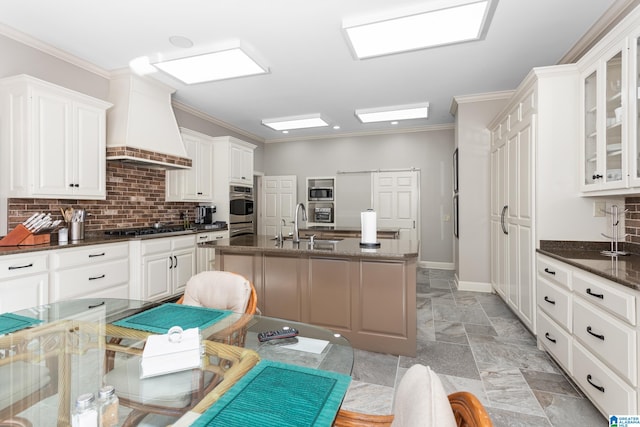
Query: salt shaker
x=85, y=413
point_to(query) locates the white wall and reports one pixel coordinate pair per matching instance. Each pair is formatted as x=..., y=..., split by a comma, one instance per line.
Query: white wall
x=430, y=151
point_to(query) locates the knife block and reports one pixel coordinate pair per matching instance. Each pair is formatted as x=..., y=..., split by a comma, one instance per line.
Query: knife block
x=22, y=236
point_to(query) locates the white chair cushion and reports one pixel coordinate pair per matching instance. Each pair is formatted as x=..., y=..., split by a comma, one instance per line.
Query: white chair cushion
x=218, y=289
x=421, y=401
x=173, y=393
x=27, y=379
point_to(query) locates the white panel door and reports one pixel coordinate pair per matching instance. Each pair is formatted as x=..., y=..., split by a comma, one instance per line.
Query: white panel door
x=279, y=196
x=396, y=202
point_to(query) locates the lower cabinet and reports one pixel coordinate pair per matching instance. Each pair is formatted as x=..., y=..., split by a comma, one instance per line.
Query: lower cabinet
x=167, y=265
x=370, y=302
x=206, y=255
x=24, y=281
x=90, y=271
x=590, y=327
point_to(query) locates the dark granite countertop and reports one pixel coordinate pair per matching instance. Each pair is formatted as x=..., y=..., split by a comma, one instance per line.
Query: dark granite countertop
x=92, y=238
x=389, y=248
x=588, y=256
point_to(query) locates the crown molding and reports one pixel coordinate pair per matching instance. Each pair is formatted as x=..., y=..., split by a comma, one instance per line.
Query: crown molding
x=479, y=97
x=431, y=128
x=23, y=38
x=608, y=20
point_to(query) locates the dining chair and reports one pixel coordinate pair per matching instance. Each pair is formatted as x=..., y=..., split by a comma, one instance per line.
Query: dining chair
x=223, y=290
x=421, y=401
x=175, y=393
x=29, y=370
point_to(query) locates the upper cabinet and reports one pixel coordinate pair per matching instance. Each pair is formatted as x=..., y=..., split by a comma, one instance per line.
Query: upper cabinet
x=52, y=142
x=233, y=159
x=195, y=184
x=609, y=102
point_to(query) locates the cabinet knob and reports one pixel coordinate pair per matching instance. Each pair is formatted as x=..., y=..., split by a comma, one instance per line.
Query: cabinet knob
x=596, y=176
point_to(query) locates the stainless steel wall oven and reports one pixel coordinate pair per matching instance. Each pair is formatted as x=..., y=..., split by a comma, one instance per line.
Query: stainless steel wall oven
x=241, y=214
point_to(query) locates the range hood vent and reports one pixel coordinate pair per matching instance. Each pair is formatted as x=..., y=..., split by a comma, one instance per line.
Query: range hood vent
x=141, y=125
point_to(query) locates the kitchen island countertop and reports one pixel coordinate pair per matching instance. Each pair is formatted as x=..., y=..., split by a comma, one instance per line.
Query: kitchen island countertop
x=389, y=248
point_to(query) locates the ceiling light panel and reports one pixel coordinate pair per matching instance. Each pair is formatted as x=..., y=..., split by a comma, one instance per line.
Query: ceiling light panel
x=296, y=122
x=387, y=114
x=226, y=64
x=419, y=31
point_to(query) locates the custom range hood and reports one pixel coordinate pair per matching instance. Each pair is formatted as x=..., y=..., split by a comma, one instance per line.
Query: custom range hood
x=141, y=126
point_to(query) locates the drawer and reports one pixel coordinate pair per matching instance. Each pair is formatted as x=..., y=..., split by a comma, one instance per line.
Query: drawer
x=183, y=242
x=606, y=294
x=610, y=339
x=605, y=389
x=89, y=280
x=556, y=302
x=555, y=339
x=156, y=246
x=554, y=271
x=23, y=265
x=88, y=255
x=211, y=236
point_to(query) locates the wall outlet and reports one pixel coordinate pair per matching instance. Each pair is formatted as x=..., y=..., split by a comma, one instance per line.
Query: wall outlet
x=599, y=208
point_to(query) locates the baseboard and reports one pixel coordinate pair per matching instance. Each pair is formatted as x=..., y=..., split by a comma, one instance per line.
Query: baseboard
x=473, y=286
x=437, y=265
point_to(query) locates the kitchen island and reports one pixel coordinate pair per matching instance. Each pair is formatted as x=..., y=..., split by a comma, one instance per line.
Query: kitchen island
x=367, y=295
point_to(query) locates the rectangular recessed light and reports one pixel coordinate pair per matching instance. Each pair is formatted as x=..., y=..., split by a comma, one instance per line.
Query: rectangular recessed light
x=453, y=24
x=221, y=65
x=399, y=112
x=296, y=122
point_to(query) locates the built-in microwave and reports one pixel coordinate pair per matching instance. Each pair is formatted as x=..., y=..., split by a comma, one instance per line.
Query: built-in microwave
x=320, y=193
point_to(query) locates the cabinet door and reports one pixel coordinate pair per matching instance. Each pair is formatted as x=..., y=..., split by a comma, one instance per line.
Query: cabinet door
x=89, y=154
x=634, y=111
x=329, y=293
x=52, y=144
x=205, y=171
x=282, y=279
x=156, y=276
x=190, y=176
x=183, y=267
x=24, y=292
x=240, y=164
x=382, y=299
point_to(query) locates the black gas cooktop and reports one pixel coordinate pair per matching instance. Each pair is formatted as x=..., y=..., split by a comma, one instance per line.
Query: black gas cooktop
x=143, y=231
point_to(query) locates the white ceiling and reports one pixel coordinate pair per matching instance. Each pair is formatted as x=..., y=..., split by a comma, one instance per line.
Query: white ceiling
x=311, y=67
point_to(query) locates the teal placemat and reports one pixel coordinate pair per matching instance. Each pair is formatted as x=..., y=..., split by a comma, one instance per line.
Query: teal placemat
x=275, y=394
x=12, y=322
x=159, y=319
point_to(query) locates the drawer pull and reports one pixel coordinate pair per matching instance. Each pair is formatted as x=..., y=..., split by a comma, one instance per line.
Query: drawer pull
x=96, y=305
x=594, y=334
x=547, y=336
x=203, y=237
x=601, y=296
x=598, y=387
x=546, y=298
x=17, y=267
x=95, y=255
x=546, y=270
x=97, y=277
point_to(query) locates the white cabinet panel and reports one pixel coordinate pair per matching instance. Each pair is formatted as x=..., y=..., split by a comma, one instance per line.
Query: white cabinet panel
x=556, y=302
x=24, y=292
x=606, y=294
x=555, y=339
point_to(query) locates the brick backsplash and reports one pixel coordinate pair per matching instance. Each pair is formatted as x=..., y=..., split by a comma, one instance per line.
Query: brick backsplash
x=135, y=198
x=632, y=219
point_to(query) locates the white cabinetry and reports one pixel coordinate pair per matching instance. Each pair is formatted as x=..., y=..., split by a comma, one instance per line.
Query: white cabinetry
x=90, y=271
x=24, y=281
x=206, y=255
x=195, y=184
x=53, y=141
x=167, y=264
x=233, y=160
x=589, y=325
x=530, y=178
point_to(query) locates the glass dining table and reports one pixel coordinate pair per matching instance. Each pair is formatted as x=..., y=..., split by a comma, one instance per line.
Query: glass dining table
x=73, y=347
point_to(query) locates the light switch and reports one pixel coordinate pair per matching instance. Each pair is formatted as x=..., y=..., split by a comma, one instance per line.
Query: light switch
x=599, y=207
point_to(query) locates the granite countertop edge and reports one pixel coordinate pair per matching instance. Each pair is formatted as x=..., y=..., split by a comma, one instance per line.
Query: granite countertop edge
x=588, y=257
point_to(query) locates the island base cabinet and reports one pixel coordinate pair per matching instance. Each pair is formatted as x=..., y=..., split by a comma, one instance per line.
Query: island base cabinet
x=329, y=294
x=370, y=302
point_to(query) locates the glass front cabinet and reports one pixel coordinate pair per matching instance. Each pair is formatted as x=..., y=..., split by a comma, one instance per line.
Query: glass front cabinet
x=604, y=128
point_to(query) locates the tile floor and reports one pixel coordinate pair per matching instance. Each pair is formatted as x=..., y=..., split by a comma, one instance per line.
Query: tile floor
x=475, y=343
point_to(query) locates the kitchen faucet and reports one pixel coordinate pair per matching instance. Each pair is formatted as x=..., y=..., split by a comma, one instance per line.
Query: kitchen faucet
x=296, y=232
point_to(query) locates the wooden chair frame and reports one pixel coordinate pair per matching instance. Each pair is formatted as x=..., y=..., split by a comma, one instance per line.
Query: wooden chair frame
x=468, y=411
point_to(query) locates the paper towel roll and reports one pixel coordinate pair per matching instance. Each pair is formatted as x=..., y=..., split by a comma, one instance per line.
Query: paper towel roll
x=368, y=225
